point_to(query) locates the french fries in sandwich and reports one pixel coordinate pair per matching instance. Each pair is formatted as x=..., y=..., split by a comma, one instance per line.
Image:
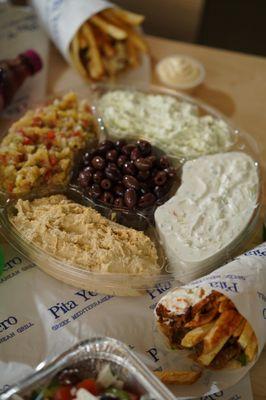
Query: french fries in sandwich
x=107, y=44
x=207, y=324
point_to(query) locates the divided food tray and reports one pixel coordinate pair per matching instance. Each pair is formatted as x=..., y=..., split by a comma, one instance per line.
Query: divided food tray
x=121, y=283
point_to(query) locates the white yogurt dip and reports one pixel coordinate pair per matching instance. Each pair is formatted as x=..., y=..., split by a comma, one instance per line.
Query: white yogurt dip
x=177, y=301
x=212, y=207
x=180, y=71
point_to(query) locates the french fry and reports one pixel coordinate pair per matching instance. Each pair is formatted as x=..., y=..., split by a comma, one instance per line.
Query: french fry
x=251, y=348
x=138, y=42
x=132, y=54
x=245, y=335
x=196, y=335
x=110, y=29
x=225, y=304
x=95, y=66
x=82, y=41
x=178, y=377
x=74, y=52
x=216, y=338
x=206, y=358
x=233, y=328
x=108, y=49
x=233, y=364
x=102, y=46
x=114, y=19
x=202, y=319
x=105, y=42
x=135, y=38
x=128, y=16
x=224, y=326
x=240, y=328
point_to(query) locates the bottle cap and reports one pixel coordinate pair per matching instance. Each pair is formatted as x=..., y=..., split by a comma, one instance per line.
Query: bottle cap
x=34, y=60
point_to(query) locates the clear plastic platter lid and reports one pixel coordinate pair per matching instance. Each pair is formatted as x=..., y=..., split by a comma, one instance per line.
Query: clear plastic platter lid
x=129, y=283
x=89, y=357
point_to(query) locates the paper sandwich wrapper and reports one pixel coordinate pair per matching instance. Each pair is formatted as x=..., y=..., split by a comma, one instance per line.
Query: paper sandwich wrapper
x=40, y=317
x=62, y=19
x=243, y=280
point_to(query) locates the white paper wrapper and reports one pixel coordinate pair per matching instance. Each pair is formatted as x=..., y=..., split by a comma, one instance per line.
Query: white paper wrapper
x=244, y=282
x=62, y=18
x=40, y=317
x=20, y=31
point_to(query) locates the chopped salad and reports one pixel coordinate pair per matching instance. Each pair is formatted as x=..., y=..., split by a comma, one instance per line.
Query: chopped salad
x=68, y=385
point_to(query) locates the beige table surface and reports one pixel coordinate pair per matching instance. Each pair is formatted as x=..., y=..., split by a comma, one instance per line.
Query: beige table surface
x=235, y=84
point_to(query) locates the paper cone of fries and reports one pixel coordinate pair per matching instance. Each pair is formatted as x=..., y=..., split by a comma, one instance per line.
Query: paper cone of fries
x=216, y=323
x=99, y=39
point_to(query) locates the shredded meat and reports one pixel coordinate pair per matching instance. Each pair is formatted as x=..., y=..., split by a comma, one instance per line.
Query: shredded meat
x=202, y=318
x=205, y=311
x=177, y=320
x=230, y=351
x=176, y=329
x=198, y=349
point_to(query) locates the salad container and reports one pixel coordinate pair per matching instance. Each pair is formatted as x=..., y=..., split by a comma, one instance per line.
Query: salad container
x=125, y=284
x=89, y=358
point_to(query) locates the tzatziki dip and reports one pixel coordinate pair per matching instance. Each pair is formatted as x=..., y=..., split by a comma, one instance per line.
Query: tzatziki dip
x=174, y=126
x=211, y=209
x=180, y=72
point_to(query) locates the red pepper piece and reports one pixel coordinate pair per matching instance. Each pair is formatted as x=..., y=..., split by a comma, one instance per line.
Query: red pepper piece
x=27, y=141
x=10, y=187
x=37, y=121
x=51, y=135
x=76, y=133
x=63, y=393
x=90, y=385
x=53, y=160
x=85, y=123
x=3, y=159
x=47, y=175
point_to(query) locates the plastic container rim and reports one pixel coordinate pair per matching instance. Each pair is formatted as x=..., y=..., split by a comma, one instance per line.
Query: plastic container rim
x=124, y=357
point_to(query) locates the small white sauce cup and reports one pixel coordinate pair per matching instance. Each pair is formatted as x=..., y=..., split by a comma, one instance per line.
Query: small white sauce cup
x=173, y=69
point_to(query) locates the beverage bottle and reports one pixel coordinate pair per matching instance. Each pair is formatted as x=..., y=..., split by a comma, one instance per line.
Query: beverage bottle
x=14, y=72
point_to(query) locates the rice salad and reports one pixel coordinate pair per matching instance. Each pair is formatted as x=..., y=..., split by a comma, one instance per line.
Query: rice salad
x=39, y=148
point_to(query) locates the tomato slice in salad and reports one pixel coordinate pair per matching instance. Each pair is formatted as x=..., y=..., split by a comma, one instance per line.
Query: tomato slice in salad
x=63, y=393
x=133, y=396
x=90, y=385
